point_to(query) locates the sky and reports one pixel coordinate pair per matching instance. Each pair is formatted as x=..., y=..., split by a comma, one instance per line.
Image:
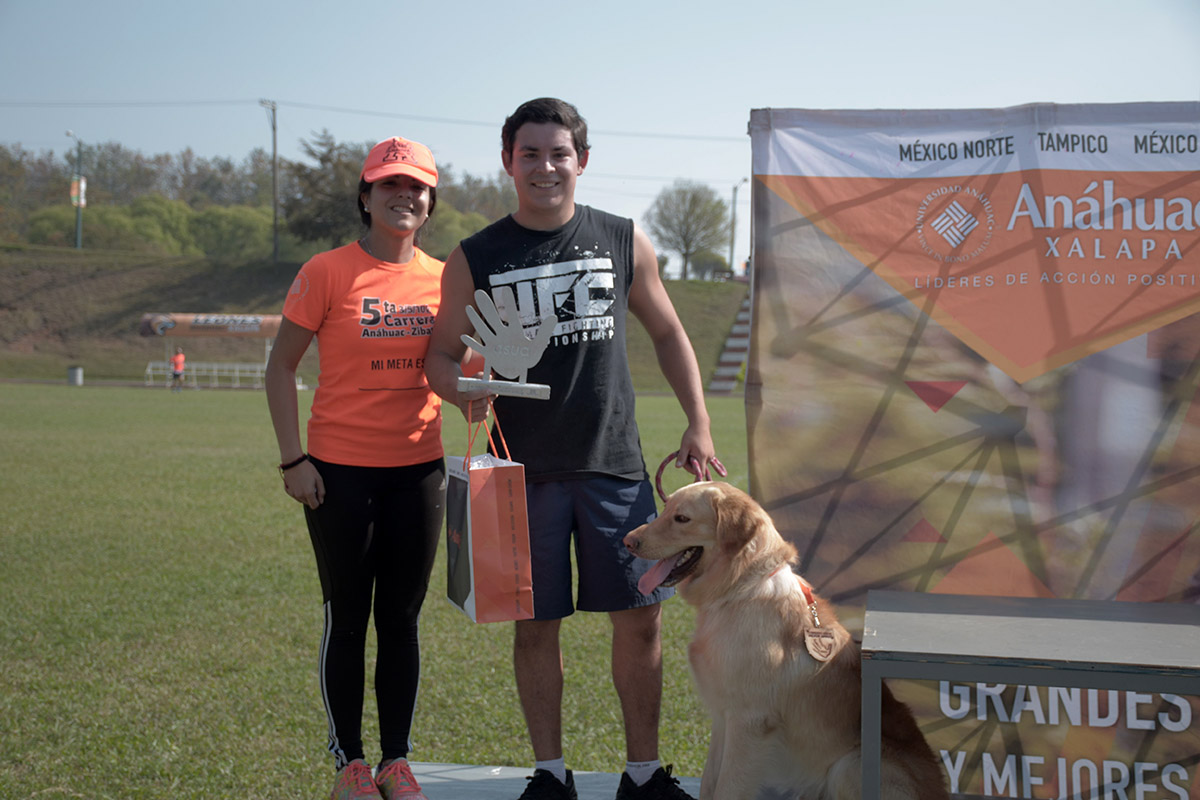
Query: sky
x=666, y=87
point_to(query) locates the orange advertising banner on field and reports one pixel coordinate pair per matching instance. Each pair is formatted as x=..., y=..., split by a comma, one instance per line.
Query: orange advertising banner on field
x=252, y=326
x=1085, y=263
x=974, y=369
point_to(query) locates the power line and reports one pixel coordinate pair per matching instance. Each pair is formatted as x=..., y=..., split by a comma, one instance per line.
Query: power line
x=388, y=114
x=121, y=104
x=479, y=123
x=344, y=110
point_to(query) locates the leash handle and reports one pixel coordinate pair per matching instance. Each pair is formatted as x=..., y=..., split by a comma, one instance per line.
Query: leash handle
x=696, y=470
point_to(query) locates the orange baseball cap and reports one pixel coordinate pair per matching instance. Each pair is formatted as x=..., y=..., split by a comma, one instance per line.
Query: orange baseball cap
x=398, y=156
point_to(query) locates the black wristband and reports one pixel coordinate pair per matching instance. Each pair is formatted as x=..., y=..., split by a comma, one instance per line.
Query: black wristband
x=296, y=463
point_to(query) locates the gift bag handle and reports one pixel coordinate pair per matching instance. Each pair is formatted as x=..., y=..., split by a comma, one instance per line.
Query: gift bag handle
x=473, y=432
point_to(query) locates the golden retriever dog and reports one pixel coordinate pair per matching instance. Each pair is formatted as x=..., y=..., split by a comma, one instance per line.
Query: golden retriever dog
x=779, y=675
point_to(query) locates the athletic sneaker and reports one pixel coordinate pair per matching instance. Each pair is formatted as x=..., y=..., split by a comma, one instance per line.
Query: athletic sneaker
x=354, y=782
x=661, y=786
x=544, y=786
x=396, y=782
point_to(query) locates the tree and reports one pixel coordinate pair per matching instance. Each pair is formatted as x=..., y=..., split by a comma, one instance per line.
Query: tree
x=236, y=233
x=29, y=182
x=689, y=218
x=209, y=182
x=105, y=228
x=256, y=185
x=118, y=176
x=492, y=198
x=157, y=203
x=708, y=265
x=52, y=225
x=167, y=222
x=321, y=203
x=447, y=227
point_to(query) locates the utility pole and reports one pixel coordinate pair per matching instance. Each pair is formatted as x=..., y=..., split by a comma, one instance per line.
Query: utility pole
x=269, y=105
x=78, y=190
x=733, y=221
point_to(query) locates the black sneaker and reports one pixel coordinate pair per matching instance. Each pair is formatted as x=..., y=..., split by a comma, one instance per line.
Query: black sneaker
x=661, y=786
x=544, y=786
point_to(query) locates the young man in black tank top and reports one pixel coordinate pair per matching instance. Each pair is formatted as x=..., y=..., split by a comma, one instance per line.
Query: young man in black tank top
x=584, y=468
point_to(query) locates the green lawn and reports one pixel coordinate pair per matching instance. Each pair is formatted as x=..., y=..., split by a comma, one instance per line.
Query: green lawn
x=162, y=611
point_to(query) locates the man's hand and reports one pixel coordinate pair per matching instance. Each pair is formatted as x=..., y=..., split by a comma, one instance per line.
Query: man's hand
x=505, y=347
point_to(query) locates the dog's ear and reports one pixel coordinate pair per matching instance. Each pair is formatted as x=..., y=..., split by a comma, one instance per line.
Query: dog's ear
x=737, y=520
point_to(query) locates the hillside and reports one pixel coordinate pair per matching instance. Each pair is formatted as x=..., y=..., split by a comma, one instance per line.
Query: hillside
x=62, y=307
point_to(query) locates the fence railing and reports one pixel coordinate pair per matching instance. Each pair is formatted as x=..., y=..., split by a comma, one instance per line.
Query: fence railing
x=209, y=374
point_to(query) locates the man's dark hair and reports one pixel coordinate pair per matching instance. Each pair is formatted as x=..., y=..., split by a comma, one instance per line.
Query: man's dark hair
x=546, y=109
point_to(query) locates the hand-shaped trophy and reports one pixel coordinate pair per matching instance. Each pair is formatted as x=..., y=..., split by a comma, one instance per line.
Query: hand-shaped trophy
x=505, y=348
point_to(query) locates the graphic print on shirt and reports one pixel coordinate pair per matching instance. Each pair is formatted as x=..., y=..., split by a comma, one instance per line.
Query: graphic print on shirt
x=382, y=319
x=579, y=293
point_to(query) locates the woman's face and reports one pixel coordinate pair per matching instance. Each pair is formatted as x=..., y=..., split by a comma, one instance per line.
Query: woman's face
x=399, y=202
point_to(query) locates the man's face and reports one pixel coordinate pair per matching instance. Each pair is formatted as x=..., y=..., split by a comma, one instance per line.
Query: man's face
x=544, y=165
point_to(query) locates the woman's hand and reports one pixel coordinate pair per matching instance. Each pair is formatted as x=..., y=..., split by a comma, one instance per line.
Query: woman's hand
x=303, y=483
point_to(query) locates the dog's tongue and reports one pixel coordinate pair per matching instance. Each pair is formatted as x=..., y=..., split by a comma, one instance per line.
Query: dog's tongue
x=657, y=574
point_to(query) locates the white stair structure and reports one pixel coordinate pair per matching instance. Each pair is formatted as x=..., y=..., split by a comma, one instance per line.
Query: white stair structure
x=733, y=356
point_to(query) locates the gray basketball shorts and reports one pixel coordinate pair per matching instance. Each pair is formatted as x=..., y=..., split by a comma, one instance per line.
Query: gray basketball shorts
x=593, y=512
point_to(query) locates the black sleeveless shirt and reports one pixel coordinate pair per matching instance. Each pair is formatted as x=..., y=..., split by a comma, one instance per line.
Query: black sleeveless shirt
x=581, y=272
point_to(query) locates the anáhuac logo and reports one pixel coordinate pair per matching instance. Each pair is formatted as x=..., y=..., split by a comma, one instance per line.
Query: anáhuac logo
x=399, y=151
x=955, y=223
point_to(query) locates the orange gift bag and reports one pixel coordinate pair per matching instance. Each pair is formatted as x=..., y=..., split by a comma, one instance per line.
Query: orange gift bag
x=487, y=536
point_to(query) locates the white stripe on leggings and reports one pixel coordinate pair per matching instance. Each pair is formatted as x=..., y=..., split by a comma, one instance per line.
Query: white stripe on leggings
x=335, y=746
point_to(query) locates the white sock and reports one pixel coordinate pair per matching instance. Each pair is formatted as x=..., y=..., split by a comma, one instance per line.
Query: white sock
x=642, y=771
x=557, y=767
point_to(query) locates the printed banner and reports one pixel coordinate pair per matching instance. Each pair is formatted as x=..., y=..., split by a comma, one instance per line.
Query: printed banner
x=1055, y=743
x=978, y=334
x=251, y=326
x=1081, y=222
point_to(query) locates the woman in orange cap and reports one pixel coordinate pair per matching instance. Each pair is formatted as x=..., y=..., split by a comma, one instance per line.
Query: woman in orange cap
x=372, y=480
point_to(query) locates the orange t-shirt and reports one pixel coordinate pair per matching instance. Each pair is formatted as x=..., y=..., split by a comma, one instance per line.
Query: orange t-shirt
x=177, y=362
x=373, y=406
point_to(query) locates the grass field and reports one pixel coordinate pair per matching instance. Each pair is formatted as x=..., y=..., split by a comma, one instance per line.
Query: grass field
x=162, y=611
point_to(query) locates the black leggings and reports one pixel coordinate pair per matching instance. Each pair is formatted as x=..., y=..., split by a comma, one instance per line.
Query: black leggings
x=378, y=528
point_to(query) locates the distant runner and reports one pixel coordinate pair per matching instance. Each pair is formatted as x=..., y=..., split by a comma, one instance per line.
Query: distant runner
x=177, y=366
